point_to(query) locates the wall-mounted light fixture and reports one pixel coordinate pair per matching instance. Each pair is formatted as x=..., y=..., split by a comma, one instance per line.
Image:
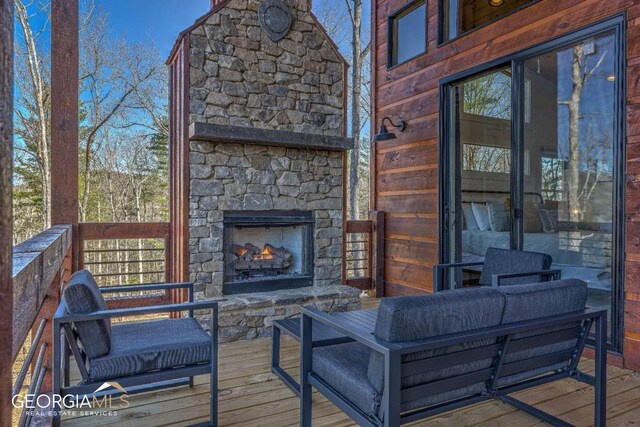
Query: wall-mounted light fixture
x=384, y=134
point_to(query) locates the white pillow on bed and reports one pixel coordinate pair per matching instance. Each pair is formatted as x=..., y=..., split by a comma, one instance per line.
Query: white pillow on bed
x=498, y=218
x=469, y=218
x=481, y=215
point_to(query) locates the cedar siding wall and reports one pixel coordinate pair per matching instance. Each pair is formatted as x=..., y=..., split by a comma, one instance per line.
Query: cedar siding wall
x=405, y=170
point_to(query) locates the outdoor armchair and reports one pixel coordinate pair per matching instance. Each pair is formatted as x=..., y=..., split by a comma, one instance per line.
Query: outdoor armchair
x=436, y=353
x=134, y=356
x=503, y=267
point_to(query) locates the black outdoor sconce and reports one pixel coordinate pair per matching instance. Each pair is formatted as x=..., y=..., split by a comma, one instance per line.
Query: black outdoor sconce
x=384, y=134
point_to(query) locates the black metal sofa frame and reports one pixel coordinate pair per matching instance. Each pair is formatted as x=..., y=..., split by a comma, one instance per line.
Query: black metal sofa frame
x=178, y=376
x=509, y=339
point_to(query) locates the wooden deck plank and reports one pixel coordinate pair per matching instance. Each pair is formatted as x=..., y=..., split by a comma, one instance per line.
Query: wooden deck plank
x=250, y=395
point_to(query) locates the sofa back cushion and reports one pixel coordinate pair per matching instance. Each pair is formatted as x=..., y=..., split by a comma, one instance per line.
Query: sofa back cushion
x=82, y=296
x=536, y=301
x=502, y=261
x=413, y=318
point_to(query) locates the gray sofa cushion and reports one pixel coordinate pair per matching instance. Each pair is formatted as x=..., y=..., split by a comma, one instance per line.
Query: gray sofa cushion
x=413, y=318
x=344, y=367
x=534, y=301
x=82, y=296
x=149, y=346
x=501, y=261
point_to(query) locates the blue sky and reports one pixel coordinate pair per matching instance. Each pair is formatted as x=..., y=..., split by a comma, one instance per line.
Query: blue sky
x=162, y=20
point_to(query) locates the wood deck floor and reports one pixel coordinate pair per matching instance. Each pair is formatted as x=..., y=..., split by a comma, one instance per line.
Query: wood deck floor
x=250, y=395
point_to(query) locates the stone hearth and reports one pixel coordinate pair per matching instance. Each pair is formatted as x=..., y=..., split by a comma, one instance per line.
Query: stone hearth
x=251, y=316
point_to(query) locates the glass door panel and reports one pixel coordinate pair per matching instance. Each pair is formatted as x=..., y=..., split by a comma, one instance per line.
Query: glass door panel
x=569, y=134
x=480, y=169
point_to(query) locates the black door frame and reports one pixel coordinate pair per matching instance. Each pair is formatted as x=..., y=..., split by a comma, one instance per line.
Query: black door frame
x=617, y=24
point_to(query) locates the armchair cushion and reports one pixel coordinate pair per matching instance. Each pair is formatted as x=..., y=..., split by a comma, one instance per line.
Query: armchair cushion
x=414, y=318
x=344, y=367
x=500, y=261
x=82, y=296
x=142, y=347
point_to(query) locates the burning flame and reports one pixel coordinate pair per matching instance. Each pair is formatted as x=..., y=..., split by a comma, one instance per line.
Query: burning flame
x=242, y=251
x=264, y=254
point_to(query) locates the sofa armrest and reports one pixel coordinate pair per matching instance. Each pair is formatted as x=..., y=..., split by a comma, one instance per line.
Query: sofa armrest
x=551, y=274
x=343, y=327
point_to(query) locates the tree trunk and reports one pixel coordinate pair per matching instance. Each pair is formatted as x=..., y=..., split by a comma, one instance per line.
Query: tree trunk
x=38, y=88
x=356, y=88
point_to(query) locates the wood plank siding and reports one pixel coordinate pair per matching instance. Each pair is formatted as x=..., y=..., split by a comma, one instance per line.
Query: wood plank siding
x=405, y=170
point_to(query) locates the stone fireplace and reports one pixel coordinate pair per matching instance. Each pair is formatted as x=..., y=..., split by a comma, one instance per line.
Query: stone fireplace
x=258, y=132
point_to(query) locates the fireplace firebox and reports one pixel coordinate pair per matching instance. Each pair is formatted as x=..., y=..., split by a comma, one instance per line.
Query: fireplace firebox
x=267, y=250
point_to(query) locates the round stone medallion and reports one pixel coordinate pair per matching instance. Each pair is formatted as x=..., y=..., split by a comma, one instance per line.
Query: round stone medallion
x=275, y=18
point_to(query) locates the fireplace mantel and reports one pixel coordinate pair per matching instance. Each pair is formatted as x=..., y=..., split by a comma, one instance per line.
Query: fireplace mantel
x=199, y=131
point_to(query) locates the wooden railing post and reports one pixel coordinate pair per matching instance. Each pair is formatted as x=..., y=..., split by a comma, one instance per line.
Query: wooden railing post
x=6, y=234
x=376, y=258
x=64, y=117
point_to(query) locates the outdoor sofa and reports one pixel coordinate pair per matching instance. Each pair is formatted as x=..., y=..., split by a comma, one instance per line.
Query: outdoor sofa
x=436, y=353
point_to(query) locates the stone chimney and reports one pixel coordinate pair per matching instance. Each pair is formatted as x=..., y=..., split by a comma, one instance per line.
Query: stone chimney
x=266, y=64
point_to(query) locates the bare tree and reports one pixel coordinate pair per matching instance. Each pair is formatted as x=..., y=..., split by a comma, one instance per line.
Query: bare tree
x=123, y=104
x=33, y=104
x=354, y=34
x=111, y=74
x=581, y=72
x=358, y=55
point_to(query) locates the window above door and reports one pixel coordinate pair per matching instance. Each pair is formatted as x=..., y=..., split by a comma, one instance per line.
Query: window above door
x=458, y=17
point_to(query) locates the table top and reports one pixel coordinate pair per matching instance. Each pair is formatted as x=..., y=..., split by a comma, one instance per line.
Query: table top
x=363, y=320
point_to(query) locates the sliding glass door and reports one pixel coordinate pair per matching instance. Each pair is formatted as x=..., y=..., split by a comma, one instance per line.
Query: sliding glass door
x=570, y=139
x=533, y=160
x=480, y=183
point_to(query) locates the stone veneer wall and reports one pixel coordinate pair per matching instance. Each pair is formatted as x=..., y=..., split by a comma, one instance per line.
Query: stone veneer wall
x=240, y=77
x=227, y=176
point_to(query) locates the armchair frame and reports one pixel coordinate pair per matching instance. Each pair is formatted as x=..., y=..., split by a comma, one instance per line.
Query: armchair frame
x=496, y=279
x=64, y=339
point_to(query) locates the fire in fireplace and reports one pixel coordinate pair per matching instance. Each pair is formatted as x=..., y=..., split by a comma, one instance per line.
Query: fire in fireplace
x=266, y=251
x=251, y=261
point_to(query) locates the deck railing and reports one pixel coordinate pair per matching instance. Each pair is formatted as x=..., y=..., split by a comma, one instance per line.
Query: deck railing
x=114, y=253
x=128, y=254
x=364, y=253
x=41, y=267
